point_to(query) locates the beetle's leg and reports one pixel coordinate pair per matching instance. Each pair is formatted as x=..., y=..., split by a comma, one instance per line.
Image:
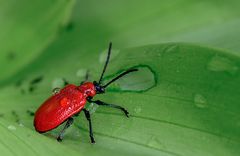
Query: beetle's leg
x=86, y=77
x=68, y=123
x=98, y=102
x=87, y=115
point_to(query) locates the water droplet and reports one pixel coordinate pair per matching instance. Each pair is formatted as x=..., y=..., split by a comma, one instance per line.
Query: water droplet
x=11, y=127
x=103, y=55
x=30, y=112
x=58, y=83
x=221, y=64
x=55, y=91
x=154, y=142
x=200, y=101
x=137, y=109
x=141, y=80
x=169, y=49
x=36, y=80
x=21, y=124
x=77, y=133
x=11, y=55
x=92, y=108
x=64, y=102
x=81, y=73
x=69, y=26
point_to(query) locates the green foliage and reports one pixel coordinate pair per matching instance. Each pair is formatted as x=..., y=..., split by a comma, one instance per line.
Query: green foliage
x=183, y=101
x=26, y=29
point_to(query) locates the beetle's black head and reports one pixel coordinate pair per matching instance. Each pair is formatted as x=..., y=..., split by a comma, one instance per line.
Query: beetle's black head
x=99, y=89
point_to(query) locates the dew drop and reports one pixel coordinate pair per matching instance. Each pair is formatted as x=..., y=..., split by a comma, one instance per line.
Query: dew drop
x=36, y=80
x=200, y=101
x=92, y=108
x=103, y=55
x=77, y=133
x=141, y=80
x=221, y=64
x=81, y=73
x=11, y=55
x=57, y=83
x=170, y=48
x=55, y=91
x=21, y=124
x=154, y=142
x=69, y=26
x=30, y=112
x=11, y=127
x=137, y=109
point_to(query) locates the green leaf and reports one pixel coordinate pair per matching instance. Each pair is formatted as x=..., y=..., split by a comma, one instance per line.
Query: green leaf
x=19, y=140
x=134, y=23
x=27, y=29
x=192, y=110
x=183, y=101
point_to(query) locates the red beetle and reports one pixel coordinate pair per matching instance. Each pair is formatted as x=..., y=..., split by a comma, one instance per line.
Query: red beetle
x=70, y=101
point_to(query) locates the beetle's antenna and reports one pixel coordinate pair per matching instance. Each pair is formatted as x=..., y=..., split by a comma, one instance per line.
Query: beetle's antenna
x=119, y=76
x=106, y=63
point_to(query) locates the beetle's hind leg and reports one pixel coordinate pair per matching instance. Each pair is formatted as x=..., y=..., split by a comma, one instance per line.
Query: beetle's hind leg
x=68, y=124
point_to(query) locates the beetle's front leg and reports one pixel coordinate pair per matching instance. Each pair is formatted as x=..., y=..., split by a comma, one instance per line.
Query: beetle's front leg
x=98, y=102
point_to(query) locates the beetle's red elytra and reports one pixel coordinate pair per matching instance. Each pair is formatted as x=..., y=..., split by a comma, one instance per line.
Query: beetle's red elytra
x=69, y=101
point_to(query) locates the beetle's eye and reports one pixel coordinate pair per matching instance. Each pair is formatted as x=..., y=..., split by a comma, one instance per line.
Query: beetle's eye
x=55, y=91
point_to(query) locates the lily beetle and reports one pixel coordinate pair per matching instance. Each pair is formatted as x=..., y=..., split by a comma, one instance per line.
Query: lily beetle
x=69, y=101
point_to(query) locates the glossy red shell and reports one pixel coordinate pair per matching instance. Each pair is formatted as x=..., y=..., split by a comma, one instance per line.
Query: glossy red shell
x=55, y=110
